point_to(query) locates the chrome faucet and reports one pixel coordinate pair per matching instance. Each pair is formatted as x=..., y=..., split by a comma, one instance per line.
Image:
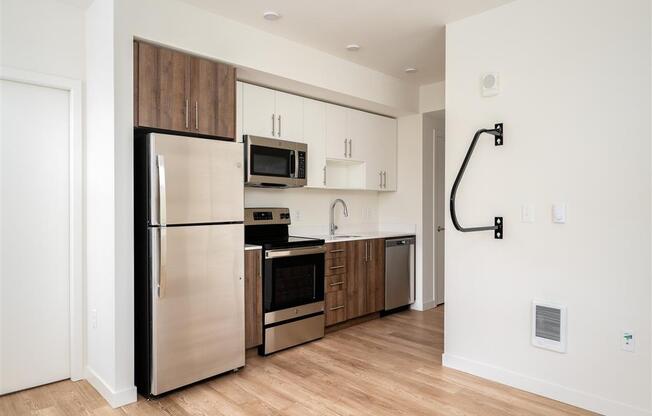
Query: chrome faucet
x=333, y=227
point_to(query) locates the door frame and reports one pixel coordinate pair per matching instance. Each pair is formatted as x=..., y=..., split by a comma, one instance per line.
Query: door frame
x=74, y=89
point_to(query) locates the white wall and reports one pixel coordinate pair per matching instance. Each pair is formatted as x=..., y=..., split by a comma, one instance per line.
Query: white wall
x=432, y=97
x=428, y=208
x=575, y=101
x=310, y=208
x=45, y=36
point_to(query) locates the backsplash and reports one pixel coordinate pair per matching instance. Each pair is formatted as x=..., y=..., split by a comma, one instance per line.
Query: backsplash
x=309, y=208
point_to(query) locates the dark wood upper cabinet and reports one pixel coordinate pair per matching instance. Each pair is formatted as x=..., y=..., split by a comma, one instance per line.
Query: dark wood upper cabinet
x=178, y=92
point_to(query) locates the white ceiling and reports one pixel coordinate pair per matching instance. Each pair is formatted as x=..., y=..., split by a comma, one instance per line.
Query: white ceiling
x=392, y=34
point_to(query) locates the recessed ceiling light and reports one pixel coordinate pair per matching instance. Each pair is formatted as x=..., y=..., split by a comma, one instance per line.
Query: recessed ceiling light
x=353, y=47
x=410, y=70
x=271, y=15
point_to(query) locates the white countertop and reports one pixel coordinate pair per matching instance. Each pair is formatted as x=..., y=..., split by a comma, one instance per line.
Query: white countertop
x=360, y=236
x=252, y=247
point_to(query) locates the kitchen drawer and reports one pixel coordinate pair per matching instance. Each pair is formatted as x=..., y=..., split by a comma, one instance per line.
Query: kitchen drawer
x=335, y=283
x=335, y=266
x=336, y=250
x=335, y=307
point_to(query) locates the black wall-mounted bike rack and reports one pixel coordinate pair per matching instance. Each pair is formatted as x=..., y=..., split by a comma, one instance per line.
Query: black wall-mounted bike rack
x=497, y=228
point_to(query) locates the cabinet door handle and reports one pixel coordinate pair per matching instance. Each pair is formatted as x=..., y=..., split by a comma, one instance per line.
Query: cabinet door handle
x=186, y=112
x=336, y=267
x=366, y=251
x=273, y=125
x=384, y=179
x=324, y=175
x=340, y=250
x=196, y=116
x=350, y=148
x=345, y=147
x=337, y=307
x=279, y=126
x=380, y=184
x=337, y=283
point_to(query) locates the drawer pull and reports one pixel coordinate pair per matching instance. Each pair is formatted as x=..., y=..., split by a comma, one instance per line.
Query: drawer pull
x=337, y=283
x=336, y=267
x=336, y=308
x=340, y=250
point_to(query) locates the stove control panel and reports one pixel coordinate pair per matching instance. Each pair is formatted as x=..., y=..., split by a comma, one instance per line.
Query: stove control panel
x=267, y=216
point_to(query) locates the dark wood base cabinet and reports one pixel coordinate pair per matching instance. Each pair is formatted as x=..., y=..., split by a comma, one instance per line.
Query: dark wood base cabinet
x=355, y=279
x=253, y=299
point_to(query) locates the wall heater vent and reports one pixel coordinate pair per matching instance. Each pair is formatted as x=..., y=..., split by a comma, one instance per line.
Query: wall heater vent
x=549, y=326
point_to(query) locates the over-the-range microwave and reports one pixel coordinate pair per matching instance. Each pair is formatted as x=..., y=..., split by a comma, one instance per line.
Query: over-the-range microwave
x=274, y=162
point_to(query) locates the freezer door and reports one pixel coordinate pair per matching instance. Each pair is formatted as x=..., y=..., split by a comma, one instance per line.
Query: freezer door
x=194, y=180
x=197, y=303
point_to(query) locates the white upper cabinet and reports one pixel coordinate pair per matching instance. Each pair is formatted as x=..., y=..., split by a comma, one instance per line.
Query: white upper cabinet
x=314, y=134
x=271, y=113
x=289, y=116
x=258, y=111
x=337, y=142
x=347, y=148
x=388, y=144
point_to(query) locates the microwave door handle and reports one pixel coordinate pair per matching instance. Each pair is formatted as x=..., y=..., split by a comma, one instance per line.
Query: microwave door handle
x=292, y=164
x=296, y=163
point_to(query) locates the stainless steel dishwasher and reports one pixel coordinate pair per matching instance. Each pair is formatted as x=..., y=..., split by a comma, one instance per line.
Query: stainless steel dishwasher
x=399, y=272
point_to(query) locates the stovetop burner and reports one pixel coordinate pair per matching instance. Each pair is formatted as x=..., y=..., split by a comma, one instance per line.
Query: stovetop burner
x=268, y=227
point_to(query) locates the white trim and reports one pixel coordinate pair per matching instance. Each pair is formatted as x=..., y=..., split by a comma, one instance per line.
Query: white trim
x=424, y=306
x=74, y=87
x=542, y=387
x=115, y=399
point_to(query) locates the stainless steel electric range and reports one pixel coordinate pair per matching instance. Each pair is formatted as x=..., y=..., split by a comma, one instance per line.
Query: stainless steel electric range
x=293, y=280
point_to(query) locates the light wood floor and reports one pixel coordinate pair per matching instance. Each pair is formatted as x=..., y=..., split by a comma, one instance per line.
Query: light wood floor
x=389, y=366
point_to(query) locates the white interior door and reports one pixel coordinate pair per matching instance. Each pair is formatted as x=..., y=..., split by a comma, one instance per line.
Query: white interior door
x=34, y=236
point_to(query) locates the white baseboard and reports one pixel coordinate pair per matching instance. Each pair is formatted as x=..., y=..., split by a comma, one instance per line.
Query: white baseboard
x=543, y=388
x=423, y=306
x=115, y=399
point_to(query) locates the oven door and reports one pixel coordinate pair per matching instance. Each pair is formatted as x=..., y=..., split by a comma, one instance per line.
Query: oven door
x=275, y=163
x=293, y=278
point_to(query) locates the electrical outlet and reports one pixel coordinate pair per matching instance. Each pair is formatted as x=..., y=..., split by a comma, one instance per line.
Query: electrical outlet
x=628, y=343
x=94, y=318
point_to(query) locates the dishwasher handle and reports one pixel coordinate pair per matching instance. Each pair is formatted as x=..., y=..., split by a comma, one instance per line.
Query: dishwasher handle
x=393, y=242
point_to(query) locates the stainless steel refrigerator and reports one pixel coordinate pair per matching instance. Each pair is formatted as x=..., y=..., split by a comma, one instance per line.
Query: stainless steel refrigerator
x=189, y=248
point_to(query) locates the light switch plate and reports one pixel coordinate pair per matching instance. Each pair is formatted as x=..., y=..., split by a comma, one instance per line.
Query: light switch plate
x=628, y=341
x=559, y=213
x=527, y=213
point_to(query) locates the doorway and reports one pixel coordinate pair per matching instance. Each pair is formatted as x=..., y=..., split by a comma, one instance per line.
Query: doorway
x=434, y=207
x=40, y=230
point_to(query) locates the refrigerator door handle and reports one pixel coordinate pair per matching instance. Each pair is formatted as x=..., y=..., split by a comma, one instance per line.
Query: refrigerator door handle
x=162, y=198
x=162, y=266
x=162, y=213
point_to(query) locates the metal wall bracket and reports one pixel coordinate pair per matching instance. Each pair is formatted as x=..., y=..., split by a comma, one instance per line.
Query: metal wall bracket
x=498, y=231
x=499, y=140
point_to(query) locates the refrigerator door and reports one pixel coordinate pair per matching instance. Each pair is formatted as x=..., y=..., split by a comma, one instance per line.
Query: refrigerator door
x=197, y=303
x=194, y=180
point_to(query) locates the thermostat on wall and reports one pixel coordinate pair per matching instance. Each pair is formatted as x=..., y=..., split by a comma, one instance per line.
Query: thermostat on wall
x=489, y=84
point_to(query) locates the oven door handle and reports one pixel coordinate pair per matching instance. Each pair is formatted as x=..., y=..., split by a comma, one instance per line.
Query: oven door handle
x=291, y=252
